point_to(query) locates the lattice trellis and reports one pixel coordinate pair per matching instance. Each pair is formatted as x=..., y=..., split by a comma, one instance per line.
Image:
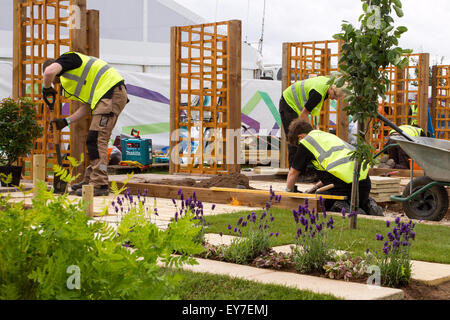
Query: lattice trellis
x=44, y=33
x=46, y=29
x=408, y=89
x=441, y=101
x=205, y=98
x=302, y=59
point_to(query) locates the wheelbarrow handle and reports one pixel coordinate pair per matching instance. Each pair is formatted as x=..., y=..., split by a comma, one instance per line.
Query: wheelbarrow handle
x=393, y=126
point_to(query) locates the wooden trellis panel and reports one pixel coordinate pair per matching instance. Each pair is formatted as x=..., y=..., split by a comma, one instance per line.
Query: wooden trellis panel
x=441, y=102
x=319, y=58
x=206, y=98
x=408, y=88
x=46, y=29
x=302, y=59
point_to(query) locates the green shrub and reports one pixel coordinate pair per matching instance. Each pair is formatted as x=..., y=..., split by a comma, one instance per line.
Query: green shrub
x=55, y=251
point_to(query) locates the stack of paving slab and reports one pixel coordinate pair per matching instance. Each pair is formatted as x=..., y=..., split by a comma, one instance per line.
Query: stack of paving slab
x=384, y=187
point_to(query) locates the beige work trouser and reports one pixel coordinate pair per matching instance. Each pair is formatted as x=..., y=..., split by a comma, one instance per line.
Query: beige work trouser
x=104, y=119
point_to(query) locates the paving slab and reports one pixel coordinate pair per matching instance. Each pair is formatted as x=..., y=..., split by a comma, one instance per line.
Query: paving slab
x=426, y=272
x=432, y=274
x=337, y=288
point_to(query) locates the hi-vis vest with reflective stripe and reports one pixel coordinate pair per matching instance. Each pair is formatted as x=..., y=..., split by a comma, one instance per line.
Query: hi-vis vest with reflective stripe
x=332, y=155
x=90, y=81
x=413, y=114
x=409, y=130
x=298, y=94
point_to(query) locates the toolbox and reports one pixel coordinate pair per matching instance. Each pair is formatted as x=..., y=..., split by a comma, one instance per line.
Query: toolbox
x=139, y=150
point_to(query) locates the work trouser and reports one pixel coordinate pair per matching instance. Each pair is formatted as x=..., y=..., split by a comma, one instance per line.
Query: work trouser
x=287, y=115
x=396, y=153
x=104, y=119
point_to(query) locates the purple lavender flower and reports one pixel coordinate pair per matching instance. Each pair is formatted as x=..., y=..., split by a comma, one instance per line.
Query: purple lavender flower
x=299, y=232
x=240, y=221
x=244, y=224
x=397, y=221
x=330, y=223
x=343, y=211
x=271, y=234
x=379, y=237
x=390, y=236
x=395, y=243
x=388, y=223
x=156, y=211
x=277, y=234
x=229, y=227
x=271, y=219
x=173, y=200
x=180, y=192
x=386, y=250
x=213, y=207
x=220, y=233
x=412, y=235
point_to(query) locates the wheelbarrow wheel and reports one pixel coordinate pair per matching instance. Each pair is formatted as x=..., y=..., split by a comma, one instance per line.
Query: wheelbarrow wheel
x=431, y=204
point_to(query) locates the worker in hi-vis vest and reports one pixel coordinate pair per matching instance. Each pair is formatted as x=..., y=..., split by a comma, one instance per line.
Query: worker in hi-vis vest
x=102, y=91
x=400, y=157
x=330, y=157
x=304, y=98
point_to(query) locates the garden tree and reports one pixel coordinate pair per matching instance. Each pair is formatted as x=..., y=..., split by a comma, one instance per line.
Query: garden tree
x=365, y=54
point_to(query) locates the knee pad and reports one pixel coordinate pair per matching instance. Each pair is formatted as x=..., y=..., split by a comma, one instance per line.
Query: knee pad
x=92, y=146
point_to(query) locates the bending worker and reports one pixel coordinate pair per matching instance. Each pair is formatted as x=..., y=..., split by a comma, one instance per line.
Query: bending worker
x=396, y=153
x=102, y=90
x=304, y=98
x=330, y=156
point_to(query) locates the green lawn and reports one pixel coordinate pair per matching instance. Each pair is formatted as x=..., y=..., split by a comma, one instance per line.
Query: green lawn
x=205, y=286
x=432, y=243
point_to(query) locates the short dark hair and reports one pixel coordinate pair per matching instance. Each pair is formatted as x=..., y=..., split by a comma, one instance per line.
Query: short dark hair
x=298, y=126
x=47, y=63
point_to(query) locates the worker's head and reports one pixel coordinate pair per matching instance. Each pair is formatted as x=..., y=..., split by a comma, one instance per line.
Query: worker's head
x=46, y=64
x=335, y=93
x=298, y=129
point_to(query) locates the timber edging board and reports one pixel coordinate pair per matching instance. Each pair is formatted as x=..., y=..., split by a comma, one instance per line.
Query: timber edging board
x=213, y=196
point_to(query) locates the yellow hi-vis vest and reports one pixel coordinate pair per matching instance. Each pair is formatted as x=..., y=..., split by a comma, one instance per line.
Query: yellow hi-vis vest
x=413, y=114
x=297, y=94
x=90, y=81
x=332, y=155
x=409, y=130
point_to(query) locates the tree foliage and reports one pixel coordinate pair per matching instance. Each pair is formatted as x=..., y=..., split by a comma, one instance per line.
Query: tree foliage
x=366, y=52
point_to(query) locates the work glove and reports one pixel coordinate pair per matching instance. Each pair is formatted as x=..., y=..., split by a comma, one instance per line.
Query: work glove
x=49, y=91
x=60, y=123
x=312, y=190
x=295, y=189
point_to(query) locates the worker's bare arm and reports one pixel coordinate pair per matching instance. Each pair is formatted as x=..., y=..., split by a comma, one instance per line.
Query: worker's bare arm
x=291, y=178
x=50, y=74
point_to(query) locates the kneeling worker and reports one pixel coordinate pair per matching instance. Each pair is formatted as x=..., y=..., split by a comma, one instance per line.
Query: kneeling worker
x=396, y=153
x=330, y=156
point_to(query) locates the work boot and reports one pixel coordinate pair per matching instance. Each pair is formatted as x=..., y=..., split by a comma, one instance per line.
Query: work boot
x=98, y=191
x=339, y=205
x=78, y=185
x=374, y=208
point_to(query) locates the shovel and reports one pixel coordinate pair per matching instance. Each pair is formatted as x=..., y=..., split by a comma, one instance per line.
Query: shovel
x=59, y=185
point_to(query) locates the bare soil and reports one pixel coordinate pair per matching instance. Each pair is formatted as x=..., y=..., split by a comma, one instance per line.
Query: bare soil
x=233, y=180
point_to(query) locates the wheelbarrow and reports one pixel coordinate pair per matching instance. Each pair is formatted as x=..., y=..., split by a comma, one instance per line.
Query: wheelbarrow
x=424, y=197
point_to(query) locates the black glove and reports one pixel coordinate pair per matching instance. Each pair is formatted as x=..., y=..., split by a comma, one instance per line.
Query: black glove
x=295, y=189
x=60, y=123
x=49, y=91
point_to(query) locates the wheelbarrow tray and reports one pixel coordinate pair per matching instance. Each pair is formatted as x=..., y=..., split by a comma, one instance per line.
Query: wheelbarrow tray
x=432, y=155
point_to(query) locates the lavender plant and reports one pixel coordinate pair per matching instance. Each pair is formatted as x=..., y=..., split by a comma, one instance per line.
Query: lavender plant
x=395, y=260
x=257, y=232
x=312, y=251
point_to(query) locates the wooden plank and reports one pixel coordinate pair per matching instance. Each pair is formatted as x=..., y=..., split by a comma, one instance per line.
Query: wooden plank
x=224, y=197
x=434, y=84
x=93, y=33
x=399, y=172
x=283, y=194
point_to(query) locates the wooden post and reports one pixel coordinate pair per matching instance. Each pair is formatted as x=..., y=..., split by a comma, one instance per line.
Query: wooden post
x=79, y=130
x=285, y=82
x=234, y=99
x=434, y=85
x=19, y=35
x=38, y=170
x=88, y=199
x=93, y=33
x=175, y=50
x=424, y=79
